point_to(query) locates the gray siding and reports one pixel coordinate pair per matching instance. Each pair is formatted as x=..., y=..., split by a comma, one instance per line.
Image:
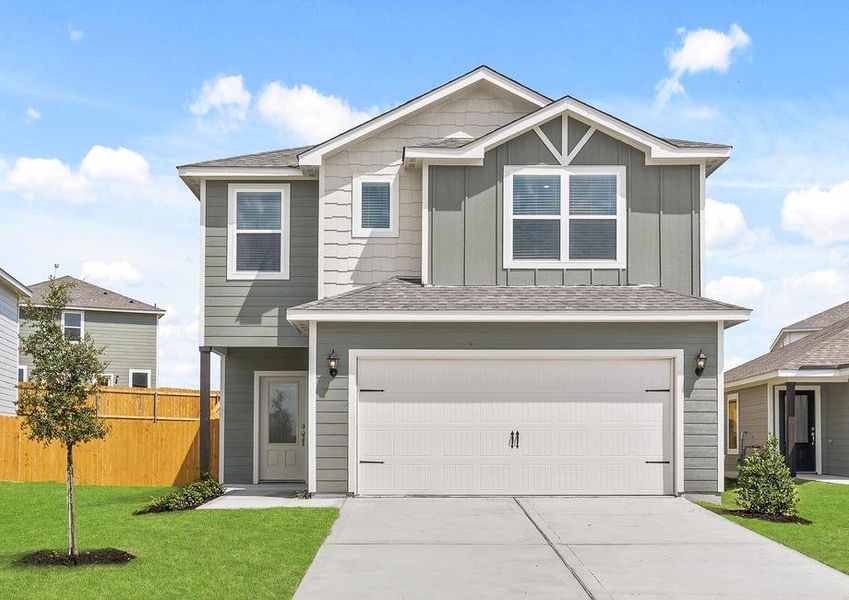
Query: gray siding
x=753, y=422
x=466, y=205
x=253, y=313
x=239, y=367
x=700, y=402
x=128, y=339
x=835, y=419
x=8, y=350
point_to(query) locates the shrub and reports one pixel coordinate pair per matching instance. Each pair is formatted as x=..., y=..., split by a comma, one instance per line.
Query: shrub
x=191, y=496
x=764, y=483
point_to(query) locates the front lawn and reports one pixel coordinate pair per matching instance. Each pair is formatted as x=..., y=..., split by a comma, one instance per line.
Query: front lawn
x=826, y=539
x=190, y=554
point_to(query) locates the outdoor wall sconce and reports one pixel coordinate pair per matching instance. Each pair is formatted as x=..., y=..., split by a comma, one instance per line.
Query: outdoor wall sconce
x=701, y=359
x=333, y=363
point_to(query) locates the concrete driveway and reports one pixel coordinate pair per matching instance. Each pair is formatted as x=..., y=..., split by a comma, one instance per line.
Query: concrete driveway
x=447, y=548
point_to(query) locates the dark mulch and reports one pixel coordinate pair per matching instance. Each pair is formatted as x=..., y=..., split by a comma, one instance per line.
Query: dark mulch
x=772, y=518
x=102, y=556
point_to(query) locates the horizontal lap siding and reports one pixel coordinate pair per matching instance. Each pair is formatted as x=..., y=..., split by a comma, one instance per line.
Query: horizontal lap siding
x=753, y=421
x=8, y=350
x=663, y=208
x=239, y=367
x=128, y=341
x=253, y=313
x=700, y=402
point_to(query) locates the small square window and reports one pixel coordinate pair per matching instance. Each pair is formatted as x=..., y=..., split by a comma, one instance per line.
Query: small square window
x=375, y=203
x=140, y=379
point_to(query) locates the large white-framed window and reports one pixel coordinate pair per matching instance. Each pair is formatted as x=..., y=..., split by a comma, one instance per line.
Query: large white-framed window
x=559, y=217
x=375, y=205
x=73, y=325
x=732, y=423
x=258, y=223
x=139, y=378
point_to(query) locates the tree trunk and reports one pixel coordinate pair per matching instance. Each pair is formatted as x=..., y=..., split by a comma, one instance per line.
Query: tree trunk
x=72, y=508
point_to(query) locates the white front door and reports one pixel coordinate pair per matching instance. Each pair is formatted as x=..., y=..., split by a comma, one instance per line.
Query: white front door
x=282, y=429
x=507, y=426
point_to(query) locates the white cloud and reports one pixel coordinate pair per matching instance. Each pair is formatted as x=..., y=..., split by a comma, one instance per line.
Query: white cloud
x=74, y=34
x=115, y=164
x=726, y=229
x=46, y=177
x=700, y=50
x=821, y=215
x=224, y=96
x=119, y=272
x=743, y=291
x=32, y=114
x=307, y=113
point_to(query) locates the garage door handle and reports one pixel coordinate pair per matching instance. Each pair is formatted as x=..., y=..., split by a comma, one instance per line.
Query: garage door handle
x=511, y=439
x=659, y=390
x=657, y=462
x=517, y=438
x=371, y=462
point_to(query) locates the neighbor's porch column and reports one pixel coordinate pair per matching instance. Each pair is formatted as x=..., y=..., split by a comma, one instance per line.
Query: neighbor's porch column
x=204, y=408
x=790, y=427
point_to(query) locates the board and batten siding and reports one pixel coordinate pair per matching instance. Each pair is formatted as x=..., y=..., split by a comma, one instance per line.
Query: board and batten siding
x=835, y=435
x=253, y=312
x=700, y=393
x=238, y=402
x=128, y=339
x=663, y=212
x=8, y=350
x=753, y=422
x=349, y=261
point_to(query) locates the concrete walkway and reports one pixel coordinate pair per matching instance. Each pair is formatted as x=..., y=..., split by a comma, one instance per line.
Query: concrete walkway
x=622, y=548
x=269, y=495
x=835, y=479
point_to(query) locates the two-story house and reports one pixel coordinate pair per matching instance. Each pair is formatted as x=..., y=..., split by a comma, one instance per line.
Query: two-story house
x=124, y=327
x=12, y=292
x=480, y=291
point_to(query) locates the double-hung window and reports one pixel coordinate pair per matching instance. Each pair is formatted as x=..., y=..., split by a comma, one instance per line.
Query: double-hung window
x=375, y=206
x=72, y=325
x=564, y=217
x=258, y=231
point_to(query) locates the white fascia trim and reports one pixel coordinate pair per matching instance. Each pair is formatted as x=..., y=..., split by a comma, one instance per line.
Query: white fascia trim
x=70, y=308
x=781, y=375
x=258, y=375
x=675, y=354
x=395, y=316
x=314, y=156
x=243, y=172
x=657, y=149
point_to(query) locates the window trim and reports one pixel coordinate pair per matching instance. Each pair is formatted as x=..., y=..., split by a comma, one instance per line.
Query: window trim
x=149, y=378
x=358, y=231
x=285, y=225
x=736, y=398
x=111, y=379
x=26, y=373
x=82, y=324
x=565, y=172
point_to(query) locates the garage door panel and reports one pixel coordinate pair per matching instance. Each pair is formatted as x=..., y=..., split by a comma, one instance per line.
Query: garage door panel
x=443, y=427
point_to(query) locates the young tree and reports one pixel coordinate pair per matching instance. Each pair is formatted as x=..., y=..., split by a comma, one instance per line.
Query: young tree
x=57, y=405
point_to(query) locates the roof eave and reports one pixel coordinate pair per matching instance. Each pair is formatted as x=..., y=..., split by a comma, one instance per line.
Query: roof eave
x=811, y=375
x=20, y=289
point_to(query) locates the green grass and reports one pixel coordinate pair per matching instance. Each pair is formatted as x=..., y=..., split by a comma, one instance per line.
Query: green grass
x=826, y=539
x=194, y=554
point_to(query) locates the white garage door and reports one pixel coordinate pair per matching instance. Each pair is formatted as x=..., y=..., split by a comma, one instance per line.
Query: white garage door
x=514, y=426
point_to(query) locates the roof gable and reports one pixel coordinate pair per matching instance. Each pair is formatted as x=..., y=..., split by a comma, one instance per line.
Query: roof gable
x=20, y=289
x=814, y=322
x=85, y=295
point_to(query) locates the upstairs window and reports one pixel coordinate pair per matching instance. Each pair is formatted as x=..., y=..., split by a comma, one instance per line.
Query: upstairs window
x=258, y=231
x=72, y=325
x=564, y=217
x=375, y=206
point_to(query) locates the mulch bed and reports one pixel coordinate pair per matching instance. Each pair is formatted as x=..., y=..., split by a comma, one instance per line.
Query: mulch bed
x=102, y=556
x=772, y=518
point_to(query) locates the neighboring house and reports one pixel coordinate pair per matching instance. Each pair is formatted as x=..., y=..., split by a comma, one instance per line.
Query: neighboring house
x=11, y=293
x=480, y=291
x=816, y=366
x=126, y=328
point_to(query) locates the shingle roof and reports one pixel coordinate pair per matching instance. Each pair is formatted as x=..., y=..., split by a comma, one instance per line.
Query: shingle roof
x=400, y=294
x=822, y=319
x=288, y=157
x=87, y=295
x=692, y=144
x=824, y=349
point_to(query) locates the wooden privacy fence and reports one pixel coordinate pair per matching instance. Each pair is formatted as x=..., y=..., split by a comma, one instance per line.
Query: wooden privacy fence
x=153, y=440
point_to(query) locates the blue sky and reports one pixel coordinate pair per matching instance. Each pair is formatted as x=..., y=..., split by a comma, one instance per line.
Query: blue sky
x=109, y=98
